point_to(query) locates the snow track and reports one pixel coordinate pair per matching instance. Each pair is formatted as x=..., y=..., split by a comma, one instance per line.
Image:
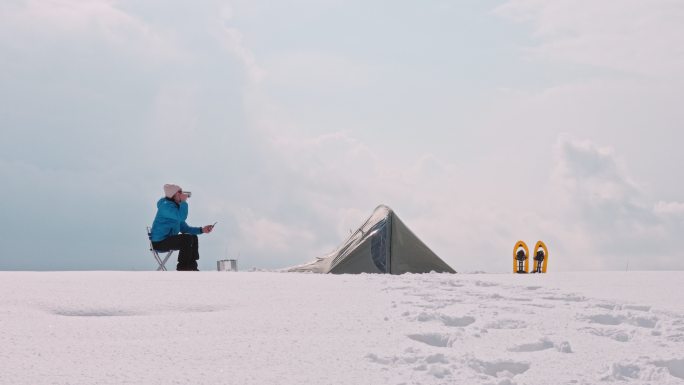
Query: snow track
x=264, y=328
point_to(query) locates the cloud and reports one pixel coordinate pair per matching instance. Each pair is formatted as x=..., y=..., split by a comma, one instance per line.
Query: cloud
x=290, y=148
x=232, y=40
x=265, y=236
x=63, y=219
x=592, y=174
x=100, y=106
x=28, y=25
x=669, y=209
x=306, y=70
x=609, y=212
x=631, y=36
x=591, y=210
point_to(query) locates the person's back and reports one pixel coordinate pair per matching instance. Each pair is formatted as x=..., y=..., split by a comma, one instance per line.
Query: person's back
x=169, y=219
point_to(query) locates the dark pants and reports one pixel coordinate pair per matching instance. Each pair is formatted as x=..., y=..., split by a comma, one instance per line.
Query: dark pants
x=187, y=246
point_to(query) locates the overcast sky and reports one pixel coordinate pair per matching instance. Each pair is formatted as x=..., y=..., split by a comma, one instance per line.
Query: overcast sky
x=478, y=122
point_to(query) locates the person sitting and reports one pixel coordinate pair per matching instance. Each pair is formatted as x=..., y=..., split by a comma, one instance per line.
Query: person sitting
x=172, y=211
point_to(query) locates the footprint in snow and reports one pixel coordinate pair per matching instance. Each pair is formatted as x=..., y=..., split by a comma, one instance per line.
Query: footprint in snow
x=439, y=371
x=457, y=321
x=506, y=324
x=679, y=337
x=606, y=319
x=615, y=306
x=610, y=319
x=565, y=298
x=615, y=334
x=434, y=339
x=96, y=312
x=622, y=372
x=643, y=308
x=446, y=320
x=432, y=364
x=644, y=322
x=406, y=360
x=438, y=358
x=607, y=306
x=499, y=369
x=653, y=370
x=564, y=347
x=485, y=284
x=542, y=344
x=675, y=367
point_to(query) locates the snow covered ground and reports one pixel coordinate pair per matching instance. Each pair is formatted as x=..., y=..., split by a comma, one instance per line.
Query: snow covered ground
x=287, y=328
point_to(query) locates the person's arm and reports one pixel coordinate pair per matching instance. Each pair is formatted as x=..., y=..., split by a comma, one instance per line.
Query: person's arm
x=169, y=210
x=185, y=229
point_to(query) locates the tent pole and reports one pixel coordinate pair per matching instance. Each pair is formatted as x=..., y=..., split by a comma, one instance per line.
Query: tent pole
x=389, y=254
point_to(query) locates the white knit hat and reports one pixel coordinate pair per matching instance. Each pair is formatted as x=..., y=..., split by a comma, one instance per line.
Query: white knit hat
x=170, y=190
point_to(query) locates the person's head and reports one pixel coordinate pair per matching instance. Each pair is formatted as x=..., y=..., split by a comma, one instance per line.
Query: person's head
x=174, y=192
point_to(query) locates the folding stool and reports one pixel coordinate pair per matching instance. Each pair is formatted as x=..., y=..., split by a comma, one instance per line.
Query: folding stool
x=155, y=253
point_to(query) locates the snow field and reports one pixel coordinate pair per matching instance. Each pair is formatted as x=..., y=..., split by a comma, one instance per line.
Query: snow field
x=286, y=328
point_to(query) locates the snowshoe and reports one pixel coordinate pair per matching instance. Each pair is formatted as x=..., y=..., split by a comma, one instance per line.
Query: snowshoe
x=521, y=258
x=541, y=258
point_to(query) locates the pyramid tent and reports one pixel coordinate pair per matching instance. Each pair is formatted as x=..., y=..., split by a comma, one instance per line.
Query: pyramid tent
x=383, y=244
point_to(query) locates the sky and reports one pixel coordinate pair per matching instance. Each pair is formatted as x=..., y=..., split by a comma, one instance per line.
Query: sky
x=479, y=122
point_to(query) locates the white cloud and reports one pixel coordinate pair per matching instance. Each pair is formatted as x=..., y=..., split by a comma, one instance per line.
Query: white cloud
x=263, y=234
x=233, y=41
x=669, y=209
x=42, y=22
x=610, y=213
x=317, y=69
x=591, y=173
x=288, y=165
x=632, y=36
x=592, y=214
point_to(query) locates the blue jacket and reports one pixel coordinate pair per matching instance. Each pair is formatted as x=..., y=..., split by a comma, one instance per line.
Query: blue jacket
x=170, y=220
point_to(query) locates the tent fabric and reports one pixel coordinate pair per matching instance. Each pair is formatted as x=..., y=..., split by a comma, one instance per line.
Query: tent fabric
x=383, y=244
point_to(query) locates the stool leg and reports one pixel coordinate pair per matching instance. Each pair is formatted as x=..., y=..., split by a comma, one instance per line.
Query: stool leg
x=170, y=253
x=159, y=260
